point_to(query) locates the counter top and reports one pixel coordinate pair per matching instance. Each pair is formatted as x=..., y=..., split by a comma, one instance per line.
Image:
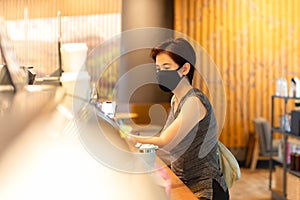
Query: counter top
x=179, y=191
x=17, y=110
x=58, y=149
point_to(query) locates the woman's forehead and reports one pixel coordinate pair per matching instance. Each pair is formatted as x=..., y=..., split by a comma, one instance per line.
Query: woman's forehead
x=163, y=58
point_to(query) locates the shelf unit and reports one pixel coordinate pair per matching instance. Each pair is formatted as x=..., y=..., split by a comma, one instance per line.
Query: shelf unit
x=286, y=134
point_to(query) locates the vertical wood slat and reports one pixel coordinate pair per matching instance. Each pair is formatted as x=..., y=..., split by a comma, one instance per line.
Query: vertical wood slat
x=204, y=38
x=238, y=98
x=177, y=18
x=230, y=73
x=252, y=43
x=244, y=66
x=224, y=64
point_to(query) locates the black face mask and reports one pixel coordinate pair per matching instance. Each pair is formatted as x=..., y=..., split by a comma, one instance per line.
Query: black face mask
x=168, y=79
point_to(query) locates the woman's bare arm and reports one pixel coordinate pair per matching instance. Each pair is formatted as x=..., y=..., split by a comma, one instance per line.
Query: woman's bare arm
x=191, y=113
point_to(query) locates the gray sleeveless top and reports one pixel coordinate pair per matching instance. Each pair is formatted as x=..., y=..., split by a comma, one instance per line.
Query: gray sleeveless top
x=195, y=158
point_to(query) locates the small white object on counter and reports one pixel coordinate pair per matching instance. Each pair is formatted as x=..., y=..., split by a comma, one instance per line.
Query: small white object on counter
x=146, y=148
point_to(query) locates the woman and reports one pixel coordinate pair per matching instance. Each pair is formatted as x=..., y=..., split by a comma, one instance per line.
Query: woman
x=190, y=133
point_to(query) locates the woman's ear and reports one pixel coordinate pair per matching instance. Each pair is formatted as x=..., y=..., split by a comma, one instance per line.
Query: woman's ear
x=186, y=68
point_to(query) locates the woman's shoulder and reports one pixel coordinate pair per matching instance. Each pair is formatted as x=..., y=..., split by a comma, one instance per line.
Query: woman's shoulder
x=194, y=92
x=195, y=95
x=193, y=102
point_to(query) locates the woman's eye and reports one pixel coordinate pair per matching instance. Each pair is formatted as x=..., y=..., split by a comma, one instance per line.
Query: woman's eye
x=165, y=67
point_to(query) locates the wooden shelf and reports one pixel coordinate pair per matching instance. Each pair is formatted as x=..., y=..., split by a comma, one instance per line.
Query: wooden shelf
x=286, y=178
x=290, y=134
x=285, y=97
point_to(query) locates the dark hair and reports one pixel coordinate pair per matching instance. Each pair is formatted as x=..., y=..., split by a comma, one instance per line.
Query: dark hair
x=180, y=50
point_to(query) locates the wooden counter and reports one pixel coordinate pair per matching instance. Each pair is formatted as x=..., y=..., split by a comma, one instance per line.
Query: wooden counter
x=179, y=191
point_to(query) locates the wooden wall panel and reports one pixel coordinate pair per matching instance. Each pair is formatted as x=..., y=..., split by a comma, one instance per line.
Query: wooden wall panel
x=252, y=43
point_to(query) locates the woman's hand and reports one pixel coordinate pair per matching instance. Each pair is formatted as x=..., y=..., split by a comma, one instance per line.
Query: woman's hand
x=131, y=140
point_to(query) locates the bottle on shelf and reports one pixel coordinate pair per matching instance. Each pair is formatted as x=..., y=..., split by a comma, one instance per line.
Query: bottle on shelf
x=293, y=157
x=297, y=160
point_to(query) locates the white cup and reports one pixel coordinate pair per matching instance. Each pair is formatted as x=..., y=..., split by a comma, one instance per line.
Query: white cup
x=73, y=56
